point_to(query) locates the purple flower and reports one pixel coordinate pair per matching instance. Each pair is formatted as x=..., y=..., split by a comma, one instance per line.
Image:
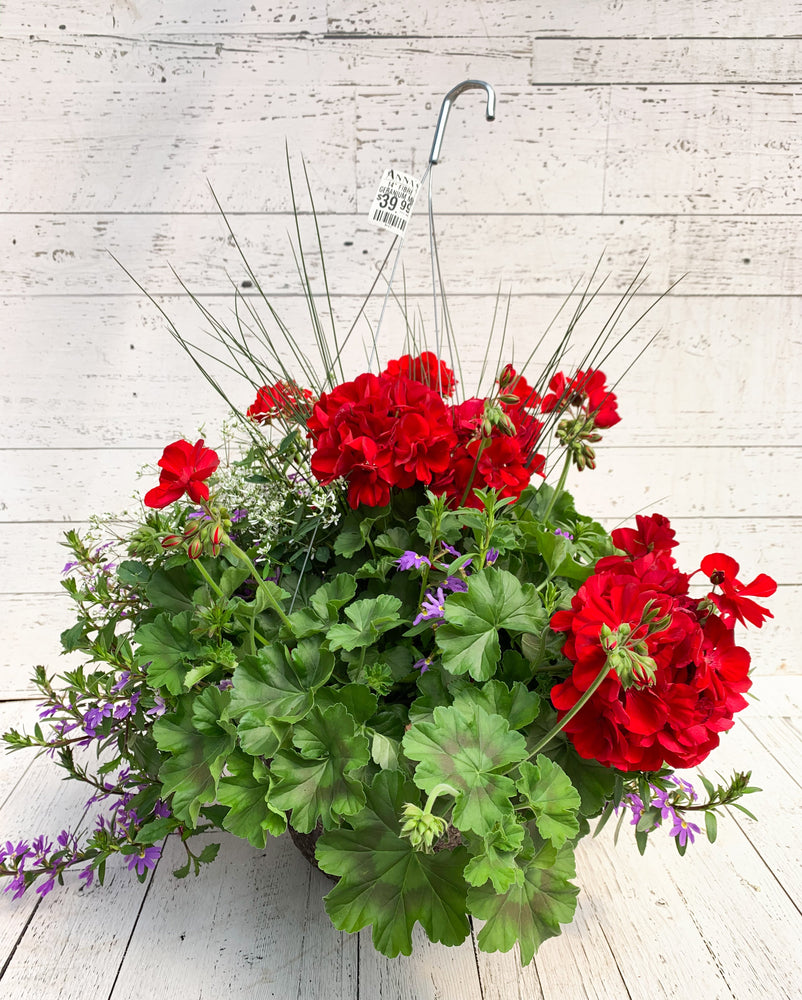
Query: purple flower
x=564, y=534
x=142, y=862
x=238, y=515
x=125, y=708
x=45, y=887
x=686, y=786
x=95, y=716
x=123, y=679
x=492, y=555
x=455, y=584
x=411, y=560
x=68, y=566
x=433, y=607
x=18, y=885
x=683, y=830
x=159, y=707
x=225, y=684
x=450, y=549
x=423, y=664
x=88, y=875
x=161, y=809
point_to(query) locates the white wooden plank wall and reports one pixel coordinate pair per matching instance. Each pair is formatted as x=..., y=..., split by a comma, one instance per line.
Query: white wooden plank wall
x=625, y=131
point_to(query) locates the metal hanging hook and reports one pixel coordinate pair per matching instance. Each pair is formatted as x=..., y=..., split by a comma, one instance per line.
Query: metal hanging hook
x=448, y=100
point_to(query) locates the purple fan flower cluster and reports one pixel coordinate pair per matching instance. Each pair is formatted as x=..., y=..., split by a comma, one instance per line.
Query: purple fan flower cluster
x=663, y=800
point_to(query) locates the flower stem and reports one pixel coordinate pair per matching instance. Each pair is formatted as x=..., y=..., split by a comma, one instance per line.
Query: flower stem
x=559, y=487
x=586, y=696
x=207, y=577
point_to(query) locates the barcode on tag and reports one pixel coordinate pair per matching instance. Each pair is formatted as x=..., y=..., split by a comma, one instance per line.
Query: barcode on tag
x=394, y=199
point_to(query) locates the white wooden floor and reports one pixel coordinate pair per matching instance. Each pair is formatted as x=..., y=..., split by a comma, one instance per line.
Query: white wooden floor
x=723, y=923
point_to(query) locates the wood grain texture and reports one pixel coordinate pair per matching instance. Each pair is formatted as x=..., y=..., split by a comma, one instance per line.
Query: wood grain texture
x=610, y=18
x=145, y=130
x=252, y=924
x=728, y=255
x=666, y=60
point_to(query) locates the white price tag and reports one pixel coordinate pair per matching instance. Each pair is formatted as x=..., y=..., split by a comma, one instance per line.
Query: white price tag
x=394, y=199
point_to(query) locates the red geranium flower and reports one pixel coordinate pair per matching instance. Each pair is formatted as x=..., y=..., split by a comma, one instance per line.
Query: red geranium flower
x=425, y=368
x=380, y=431
x=734, y=600
x=184, y=467
x=586, y=390
x=283, y=399
x=699, y=674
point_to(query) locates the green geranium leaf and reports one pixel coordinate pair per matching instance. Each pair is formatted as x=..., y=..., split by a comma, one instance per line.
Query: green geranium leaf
x=369, y=618
x=260, y=735
x=232, y=578
x=200, y=739
x=329, y=598
x=133, y=573
x=531, y=912
x=493, y=856
x=517, y=705
x=171, y=590
x=495, y=600
x=556, y=553
x=384, y=751
x=316, y=783
x=246, y=791
x=166, y=645
x=385, y=882
x=281, y=683
x=467, y=754
x=550, y=795
x=358, y=699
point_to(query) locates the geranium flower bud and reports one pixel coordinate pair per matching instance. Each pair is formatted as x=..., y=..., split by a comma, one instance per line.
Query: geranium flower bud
x=217, y=535
x=171, y=541
x=195, y=548
x=422, y=828
x=192, y=528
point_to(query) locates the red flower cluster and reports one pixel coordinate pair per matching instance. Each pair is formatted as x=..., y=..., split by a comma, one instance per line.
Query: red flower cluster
x=493, y=450
x=395, y=429
x=184, y=467
x=586, y=390
x=424, y=368
x=377, y=432
x=636, y=607
x=284, y=399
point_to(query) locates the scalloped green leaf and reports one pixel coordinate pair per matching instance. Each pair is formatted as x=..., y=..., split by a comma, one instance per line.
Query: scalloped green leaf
x=517, y=704
x=245, y=789
x=548, y=792
x=369, y=618
x=385, y=882
x=200, y=739
x=495, y=599
x=316, y=782
x=530, y=912
x=468, y=755
x=493, y=856
x=167, y=645
x=280, y=683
